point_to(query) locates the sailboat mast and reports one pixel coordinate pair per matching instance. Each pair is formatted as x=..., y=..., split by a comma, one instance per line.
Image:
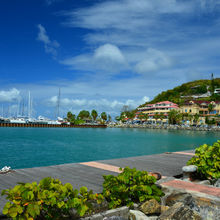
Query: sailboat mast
x=29, y=105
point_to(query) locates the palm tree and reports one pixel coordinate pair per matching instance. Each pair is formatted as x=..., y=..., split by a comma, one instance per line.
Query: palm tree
x=174, y=117
x=104, y=116
x=161, y=116
x=156, y=116
x=94, y=114
x=196, y=118
x=210, y=107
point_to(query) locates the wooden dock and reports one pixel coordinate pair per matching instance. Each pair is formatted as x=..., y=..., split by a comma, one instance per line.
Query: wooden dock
x=90, y=174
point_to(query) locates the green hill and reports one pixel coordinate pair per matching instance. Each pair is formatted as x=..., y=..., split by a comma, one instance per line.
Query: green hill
x=186, y=91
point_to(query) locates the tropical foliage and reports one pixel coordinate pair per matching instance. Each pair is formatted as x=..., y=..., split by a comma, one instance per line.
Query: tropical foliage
x=207, y=159
x=104, y=116
x=94, y=114
x=130, y=186
x=49, y=199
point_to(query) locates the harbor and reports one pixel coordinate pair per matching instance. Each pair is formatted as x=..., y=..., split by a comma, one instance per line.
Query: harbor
x=90, y=174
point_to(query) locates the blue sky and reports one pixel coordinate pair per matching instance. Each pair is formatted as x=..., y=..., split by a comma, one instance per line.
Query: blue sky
x=103, y=54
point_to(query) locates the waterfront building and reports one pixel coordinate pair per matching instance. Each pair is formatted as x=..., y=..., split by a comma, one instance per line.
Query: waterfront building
x=158, y=111
x=202, y=108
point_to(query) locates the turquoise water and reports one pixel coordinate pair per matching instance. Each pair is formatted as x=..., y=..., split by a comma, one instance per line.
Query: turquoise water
x=33, y=147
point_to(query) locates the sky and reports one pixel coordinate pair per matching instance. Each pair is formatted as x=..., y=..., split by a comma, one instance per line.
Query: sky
x=102, y=54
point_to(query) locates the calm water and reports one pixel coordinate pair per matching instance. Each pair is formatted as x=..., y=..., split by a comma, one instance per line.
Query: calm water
x=32, y=147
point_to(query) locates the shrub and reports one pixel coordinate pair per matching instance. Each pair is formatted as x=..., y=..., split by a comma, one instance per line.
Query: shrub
x=207, y=159
x=49, y=199
x=130, y=186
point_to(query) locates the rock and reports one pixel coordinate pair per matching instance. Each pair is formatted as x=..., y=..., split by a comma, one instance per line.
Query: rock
x=164, y=208
x=114, y=218
x=179, y=211
x=150, y=207
x=174, y=197
x=154, y=217
x=137, y=215
x=217, y=183
x=204, y=182
x=189, y=169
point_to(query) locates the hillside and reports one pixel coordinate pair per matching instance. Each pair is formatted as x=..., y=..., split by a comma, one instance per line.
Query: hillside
x=199, y=90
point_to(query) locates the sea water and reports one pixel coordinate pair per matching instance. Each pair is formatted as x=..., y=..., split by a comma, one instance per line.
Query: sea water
x=34, y=147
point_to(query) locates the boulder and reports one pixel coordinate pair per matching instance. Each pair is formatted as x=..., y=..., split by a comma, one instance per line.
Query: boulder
x=114, y=218
x=174, y=197
x=151, y=207
x=217, y=183
x=164, y=208
x=180, y=211
x=137, y=215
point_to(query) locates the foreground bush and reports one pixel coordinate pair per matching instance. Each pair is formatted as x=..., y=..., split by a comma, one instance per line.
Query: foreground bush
x=207, y=159
x=130, y=186
x=49, y=199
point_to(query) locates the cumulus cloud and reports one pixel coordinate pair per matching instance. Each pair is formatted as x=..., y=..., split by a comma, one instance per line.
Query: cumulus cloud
x=99, y=104
x=153, y=60
x=10, y=95
x=106, y=57
x=49, y=46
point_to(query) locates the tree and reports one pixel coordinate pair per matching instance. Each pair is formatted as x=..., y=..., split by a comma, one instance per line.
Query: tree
x=104, y=116
x=196, y=118
x=210, y=107
x=161, y=116
x=146, y=116
x=117, y=118
x=174, y=117
x=156, y=116
x=94, y=114
x=109, y=118
x=190, y=117
x=71, y=117
x=83, y=115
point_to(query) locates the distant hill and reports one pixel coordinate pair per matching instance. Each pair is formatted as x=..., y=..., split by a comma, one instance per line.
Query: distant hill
x=199, y=90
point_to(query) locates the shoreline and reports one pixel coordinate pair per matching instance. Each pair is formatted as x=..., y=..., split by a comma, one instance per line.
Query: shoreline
x=165, y=127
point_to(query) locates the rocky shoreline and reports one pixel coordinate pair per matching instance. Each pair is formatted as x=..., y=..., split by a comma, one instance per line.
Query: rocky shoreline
x=165, y=127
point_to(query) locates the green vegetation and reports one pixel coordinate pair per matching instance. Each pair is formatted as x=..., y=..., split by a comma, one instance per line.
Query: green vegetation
x=103, y=116
x=94, y=114
x=207, y=159
x=188, y=89
x=174, y=117
x=85, y=116
x=49, y=199
x=130, y=186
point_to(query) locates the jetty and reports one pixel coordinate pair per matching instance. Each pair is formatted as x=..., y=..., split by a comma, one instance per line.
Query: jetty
x=90, y=174
x=39, y=125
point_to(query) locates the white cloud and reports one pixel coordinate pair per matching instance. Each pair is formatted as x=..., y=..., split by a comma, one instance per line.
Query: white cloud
x=10, y=95
x=102, y=104
x=153, y=60
x=107, y=57
x=49, y=46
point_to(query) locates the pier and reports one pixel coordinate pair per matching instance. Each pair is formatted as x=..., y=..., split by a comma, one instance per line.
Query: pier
x=90, y=174
x=39, y=125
